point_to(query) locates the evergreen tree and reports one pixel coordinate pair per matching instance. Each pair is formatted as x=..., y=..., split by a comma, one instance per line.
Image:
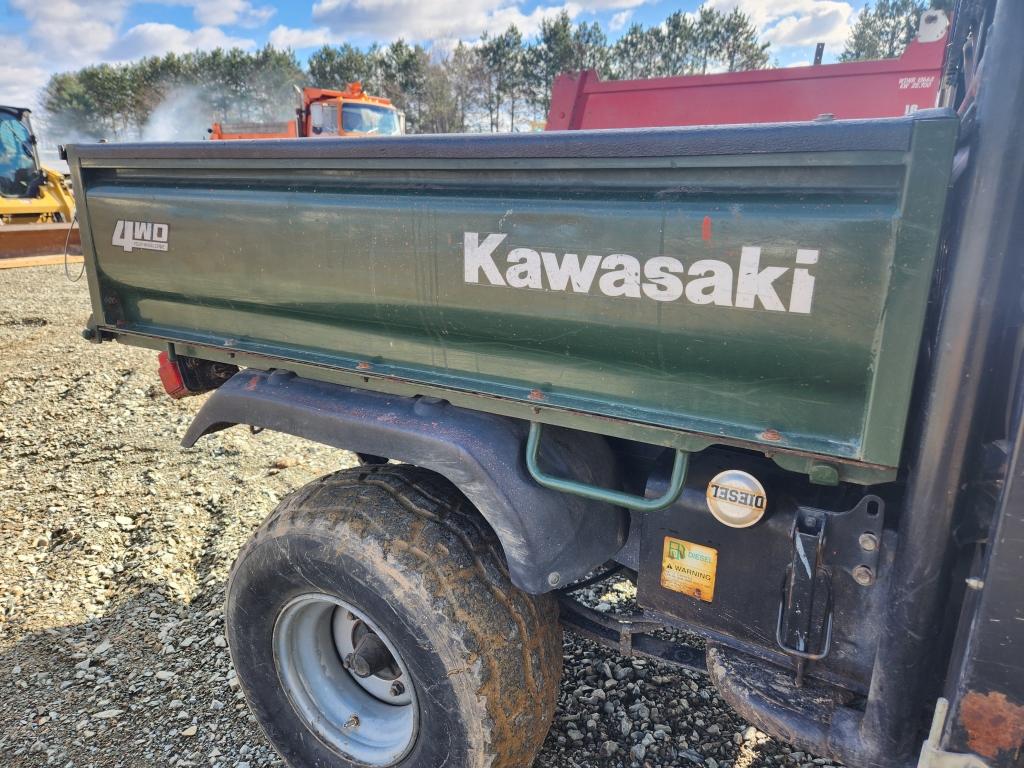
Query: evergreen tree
x=678, y=45
x=116, y=102
x=336, y=67
x=709, y=33
x=639, y=53
x=590, y=48
x=502, y=60
x=487, y=86
x=551, y=55
x=682, y=45
x=739, y=47
x=884, y=29
x=465, y=75
x=402, y=77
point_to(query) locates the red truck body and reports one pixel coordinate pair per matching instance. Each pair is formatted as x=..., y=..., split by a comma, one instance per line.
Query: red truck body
x=858, y=89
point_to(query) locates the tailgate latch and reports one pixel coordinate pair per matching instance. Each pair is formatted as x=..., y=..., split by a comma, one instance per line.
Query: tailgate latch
x=804, y=629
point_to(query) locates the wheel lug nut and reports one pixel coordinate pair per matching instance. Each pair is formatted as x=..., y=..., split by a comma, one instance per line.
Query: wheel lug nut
x=397, y=689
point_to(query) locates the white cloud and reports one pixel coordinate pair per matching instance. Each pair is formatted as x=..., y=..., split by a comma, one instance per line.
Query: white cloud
x=226, y=13
x=290, y=37
x=593, y=6
x=786, y=23
x=64, y=31
x=528, y=23
x=619, y=20
x=75, y=33
x=153, y=39
x=70, y=34
x=442, y=19
x=21, y=76
x=826, y=25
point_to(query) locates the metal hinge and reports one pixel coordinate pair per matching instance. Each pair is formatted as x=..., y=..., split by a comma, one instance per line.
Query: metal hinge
x=932, y=755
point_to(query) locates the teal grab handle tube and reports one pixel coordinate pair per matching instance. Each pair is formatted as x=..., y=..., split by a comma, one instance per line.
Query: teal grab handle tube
x=618, y=498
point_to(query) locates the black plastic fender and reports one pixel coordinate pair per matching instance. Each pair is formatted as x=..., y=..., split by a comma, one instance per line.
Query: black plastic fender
x=549, y=538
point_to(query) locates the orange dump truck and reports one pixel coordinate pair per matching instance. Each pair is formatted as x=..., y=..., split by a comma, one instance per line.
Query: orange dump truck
x=323, y=112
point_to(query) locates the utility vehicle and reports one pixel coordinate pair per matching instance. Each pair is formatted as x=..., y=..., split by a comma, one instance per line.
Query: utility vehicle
x=772, y=373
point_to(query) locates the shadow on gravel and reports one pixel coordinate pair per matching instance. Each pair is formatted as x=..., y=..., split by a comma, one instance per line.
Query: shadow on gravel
x=150, y=683
x=116, y=545
x=147, y=683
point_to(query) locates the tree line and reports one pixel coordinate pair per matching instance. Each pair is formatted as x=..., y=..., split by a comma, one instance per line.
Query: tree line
x=503, y=82
x=116, y=102
x=500, y=83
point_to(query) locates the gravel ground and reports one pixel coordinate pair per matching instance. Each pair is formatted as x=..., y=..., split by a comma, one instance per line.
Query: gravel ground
x=116, y=544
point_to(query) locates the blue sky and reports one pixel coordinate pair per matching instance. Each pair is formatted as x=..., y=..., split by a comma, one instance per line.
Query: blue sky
x=39, y=37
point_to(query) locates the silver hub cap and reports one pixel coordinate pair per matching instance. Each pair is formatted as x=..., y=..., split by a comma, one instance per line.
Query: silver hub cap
x=345, y=680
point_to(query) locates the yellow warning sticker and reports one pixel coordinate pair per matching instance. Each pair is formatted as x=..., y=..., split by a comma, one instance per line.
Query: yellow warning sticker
x=689, y=568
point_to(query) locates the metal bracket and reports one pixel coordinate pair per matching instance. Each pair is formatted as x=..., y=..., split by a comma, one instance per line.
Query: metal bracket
x=628, y=635
x=932, y=754
x=619, y=499
x=854, y=539
x=801, y=604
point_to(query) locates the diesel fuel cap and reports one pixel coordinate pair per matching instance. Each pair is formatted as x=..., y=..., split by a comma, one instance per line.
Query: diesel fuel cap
x=736, y=498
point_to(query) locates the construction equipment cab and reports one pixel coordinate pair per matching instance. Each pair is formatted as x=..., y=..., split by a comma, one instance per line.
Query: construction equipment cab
x=325, y=113
x=29, y=193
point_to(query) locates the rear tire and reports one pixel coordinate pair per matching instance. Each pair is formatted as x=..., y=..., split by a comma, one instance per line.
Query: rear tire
x=399, y=551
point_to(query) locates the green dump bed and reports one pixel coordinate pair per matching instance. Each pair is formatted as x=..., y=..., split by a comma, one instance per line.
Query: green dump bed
x=748, y=285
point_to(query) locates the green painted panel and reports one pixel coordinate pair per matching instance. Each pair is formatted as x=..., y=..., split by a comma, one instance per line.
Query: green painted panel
x=698, y=295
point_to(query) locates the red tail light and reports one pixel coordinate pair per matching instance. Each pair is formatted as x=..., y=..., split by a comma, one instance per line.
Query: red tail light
x=170, y=377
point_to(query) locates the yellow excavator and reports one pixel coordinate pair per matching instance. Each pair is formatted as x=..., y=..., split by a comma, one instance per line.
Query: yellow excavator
x=36, y=205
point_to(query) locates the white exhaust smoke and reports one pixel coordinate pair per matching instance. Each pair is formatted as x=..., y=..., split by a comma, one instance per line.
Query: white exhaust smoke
x=183, y=115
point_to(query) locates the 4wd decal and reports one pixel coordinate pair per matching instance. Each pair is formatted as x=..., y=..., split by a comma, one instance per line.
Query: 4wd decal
x=659, y=278
x=148, y=235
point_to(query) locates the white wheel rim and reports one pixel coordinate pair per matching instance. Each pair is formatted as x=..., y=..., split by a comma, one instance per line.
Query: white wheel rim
x=371, y=720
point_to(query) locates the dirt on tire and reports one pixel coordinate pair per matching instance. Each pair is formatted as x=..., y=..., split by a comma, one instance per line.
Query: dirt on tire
x=427, y=554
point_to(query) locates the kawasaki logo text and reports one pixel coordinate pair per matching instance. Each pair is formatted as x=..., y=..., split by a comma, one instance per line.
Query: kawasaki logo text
x=659, y=278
